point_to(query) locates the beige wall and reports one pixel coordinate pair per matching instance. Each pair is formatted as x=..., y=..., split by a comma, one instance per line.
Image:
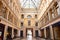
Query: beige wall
x=32, y=19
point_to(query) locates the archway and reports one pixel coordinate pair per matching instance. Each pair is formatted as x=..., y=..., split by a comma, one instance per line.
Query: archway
x=36, y=33
x=21, y=33
x=29, y=29
x=29, y=34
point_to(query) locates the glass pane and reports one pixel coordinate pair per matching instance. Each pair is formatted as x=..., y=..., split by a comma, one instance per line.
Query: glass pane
x=30, y=3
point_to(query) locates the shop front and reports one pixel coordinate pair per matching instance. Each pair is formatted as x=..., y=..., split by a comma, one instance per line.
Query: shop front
x=2, y=31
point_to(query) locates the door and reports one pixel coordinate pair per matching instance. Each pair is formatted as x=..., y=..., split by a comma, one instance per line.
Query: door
x=21, y=33
x=1, y=31
x=36, y=33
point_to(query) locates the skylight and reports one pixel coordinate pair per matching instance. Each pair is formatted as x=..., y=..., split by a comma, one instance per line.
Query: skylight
x=30, y=3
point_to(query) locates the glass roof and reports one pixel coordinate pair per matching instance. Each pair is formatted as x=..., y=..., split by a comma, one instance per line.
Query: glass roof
x=30, y=3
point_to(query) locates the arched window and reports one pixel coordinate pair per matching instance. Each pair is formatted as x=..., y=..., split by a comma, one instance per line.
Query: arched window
x=29, y=16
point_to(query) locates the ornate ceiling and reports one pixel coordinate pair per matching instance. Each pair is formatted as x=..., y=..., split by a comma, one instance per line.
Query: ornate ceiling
x=30, y=5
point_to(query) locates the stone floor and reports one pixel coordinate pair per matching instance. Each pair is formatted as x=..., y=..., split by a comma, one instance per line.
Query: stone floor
x=29, y=39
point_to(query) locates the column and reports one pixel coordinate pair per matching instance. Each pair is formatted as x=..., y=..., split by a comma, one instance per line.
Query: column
x=18, y=33
x=51, y=33
x=40, y=33
x=24, y=33
x=56, y=13
x=12, y=33
x=5, y=32
x=45, y=32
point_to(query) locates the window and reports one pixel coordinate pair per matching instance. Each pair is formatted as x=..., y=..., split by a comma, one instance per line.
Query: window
x=29, y=23
x=22, y=16
x=47, y=17
x=53, y=15
x=36, y=24
x=21, y=23
x=5, y=12
x=29, y=16
x=35, y=16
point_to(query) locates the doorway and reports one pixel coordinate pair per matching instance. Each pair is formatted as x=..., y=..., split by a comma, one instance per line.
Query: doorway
x=1, y=31
x=56, y=31
x=29, y=31
x=48, y=33
x=29, y=34
x=15, y=33
x=42, y=33
x=36, y=33
x=9, y=31
x=21, y=33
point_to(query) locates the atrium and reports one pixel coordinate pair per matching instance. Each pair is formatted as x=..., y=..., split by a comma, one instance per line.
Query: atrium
x=29, y=19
